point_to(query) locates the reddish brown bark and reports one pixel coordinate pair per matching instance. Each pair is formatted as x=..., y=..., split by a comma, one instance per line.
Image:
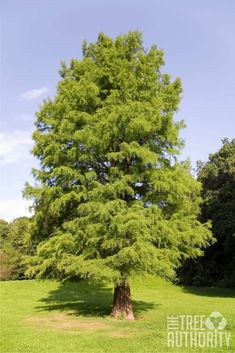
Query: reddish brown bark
x=122, y=306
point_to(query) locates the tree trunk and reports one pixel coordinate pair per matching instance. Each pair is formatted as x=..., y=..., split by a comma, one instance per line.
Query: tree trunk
x=122, y=306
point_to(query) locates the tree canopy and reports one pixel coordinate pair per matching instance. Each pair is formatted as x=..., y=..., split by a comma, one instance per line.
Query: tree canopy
x=110, y=198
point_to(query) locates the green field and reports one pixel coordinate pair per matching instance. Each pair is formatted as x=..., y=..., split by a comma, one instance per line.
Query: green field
x=47, y=316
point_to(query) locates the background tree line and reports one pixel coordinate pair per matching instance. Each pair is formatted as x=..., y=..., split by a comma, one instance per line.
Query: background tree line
x=15, y=243
x=217, y=265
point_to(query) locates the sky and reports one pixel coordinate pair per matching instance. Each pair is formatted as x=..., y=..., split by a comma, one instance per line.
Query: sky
x=196, y=36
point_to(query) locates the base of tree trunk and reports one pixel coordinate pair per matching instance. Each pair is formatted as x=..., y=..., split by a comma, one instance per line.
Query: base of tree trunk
x=122, y=306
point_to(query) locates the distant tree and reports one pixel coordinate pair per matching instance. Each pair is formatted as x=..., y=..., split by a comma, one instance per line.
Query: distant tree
x=199, y=166
x=111, y=201
x=4, y=228
x=15, y=243
x=217, y=176
x=5, y=265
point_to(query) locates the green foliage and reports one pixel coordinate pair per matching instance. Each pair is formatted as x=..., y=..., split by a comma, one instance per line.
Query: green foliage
x=15, y=243
x=3, y=231
x=111, y=198
x=217, y=176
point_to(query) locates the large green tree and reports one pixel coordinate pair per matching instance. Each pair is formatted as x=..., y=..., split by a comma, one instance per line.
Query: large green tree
x=217, y=266
x=111, y=201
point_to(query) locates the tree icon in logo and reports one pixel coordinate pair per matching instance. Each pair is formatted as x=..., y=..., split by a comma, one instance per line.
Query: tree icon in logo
x=216, y=321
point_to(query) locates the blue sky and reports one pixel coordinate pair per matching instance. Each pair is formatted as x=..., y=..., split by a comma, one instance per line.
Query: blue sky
x=196, y=36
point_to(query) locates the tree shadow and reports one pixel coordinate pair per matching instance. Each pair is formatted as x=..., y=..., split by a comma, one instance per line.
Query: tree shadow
x=86, y=299
x=210, y=291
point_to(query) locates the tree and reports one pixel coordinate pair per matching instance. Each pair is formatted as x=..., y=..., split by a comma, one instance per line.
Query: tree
x=217, y=266
x=3, y=231
x=111, y=201
x=5, y=266
x=15, y=243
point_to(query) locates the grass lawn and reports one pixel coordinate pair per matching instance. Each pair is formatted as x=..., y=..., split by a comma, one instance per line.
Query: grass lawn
x=47, y=316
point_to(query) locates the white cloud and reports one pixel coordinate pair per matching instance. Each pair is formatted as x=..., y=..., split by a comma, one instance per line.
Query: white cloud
x=34, y=93
x=14, y=146
x=11, y=209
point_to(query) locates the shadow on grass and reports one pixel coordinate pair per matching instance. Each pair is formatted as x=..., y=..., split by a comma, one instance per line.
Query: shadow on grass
x=210, y=291
x=83, y=298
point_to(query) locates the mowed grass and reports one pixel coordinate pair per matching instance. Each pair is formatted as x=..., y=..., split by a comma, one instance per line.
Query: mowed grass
x=47, y=316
